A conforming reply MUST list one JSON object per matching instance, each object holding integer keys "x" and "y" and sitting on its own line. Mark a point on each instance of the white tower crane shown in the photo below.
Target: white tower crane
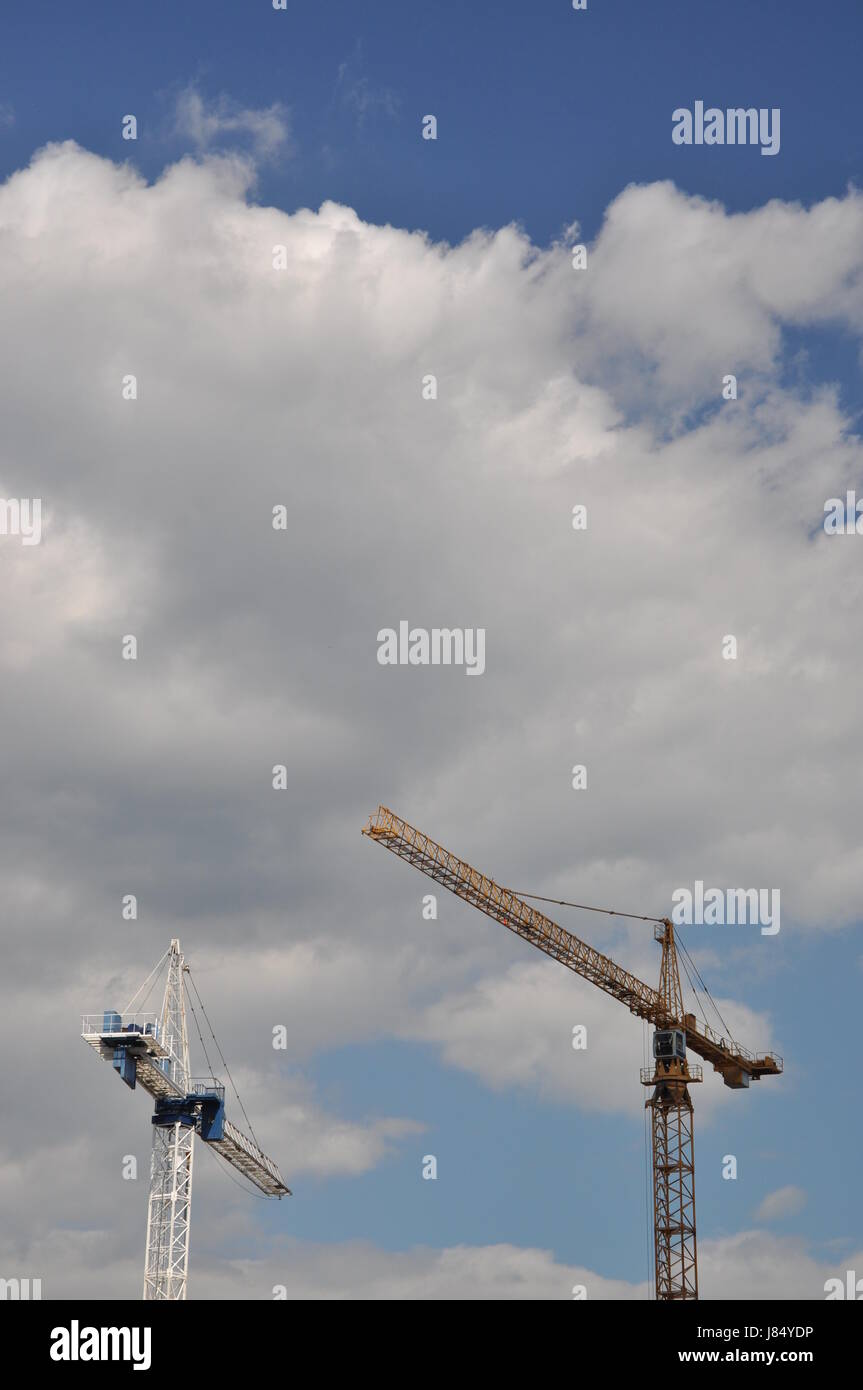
{"x": 153, "y": 1051}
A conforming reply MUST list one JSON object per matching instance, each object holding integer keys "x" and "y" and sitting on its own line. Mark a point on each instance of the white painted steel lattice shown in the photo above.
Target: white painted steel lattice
{"x": 168, "y": 1212}
{"x": 153, "y": 1053}
{"x": 169, "y": 1209}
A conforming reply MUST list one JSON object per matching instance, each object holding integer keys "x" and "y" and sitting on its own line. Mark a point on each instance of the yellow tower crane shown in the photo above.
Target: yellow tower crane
{"x": 676, "y": 1265}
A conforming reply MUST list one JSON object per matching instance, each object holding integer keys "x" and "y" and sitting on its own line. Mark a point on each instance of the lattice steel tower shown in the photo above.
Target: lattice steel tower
{"x": 153, "y": 1051}
{"x": 675, "y": 1261}
{"x": 168, "y": 1211}
{"x": 670, "y": 1076}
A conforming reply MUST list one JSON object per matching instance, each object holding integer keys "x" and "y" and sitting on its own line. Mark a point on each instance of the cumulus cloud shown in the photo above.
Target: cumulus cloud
{"x": 785, "y": 1201}
{"x": 752, "y": 1265}
{"x": 319, "y": 1144}
{"x": 210, "y": 125}
{"x": 302, "y": 387}
{"x": 516, "y": 1030}
{"x": 687, "y": 292}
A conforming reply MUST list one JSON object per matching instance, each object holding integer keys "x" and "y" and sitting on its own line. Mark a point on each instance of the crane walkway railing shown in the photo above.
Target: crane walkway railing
{"x": 158, "y": 1068}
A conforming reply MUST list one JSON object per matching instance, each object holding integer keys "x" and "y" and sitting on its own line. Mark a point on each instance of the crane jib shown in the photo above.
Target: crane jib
{"x": 669, "y": 1079}
{"x": 735, "y": 1063}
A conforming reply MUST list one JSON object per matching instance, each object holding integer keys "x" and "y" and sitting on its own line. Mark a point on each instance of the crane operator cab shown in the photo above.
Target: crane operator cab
{"x": 669, "y": 1044}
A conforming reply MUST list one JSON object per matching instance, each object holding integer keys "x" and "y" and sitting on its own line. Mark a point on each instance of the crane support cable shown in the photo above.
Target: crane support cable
{"x": 636, "y": 917}
{"x": 517, "y": 915}
{"x": 585, "y": 907}
{"x": 210, "y": 1067}
{"x": 706, "y": 990}
{"x": 223, "y": 1162}
{"x": 691, "y": 984}
{"x": 684, "y": 958}
{"x": 156, "y": 968}
{"x": 639, "y": 917}
{"x": 222, "y": 1055}
{"x": 514, "y": 913}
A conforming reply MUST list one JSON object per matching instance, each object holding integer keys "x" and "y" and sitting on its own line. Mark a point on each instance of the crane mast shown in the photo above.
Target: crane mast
{"x": 670, "y": 1106}
{"x": 152, "y": 1051}
{"x": 676, "y": 1269}
{"x": 169, "y": 1207}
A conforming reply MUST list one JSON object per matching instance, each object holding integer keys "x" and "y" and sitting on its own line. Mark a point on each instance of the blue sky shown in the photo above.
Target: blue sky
{"x": 539, "y": 1173}
{"x": 545, "y": 116}
{"x": 541, "y": 152}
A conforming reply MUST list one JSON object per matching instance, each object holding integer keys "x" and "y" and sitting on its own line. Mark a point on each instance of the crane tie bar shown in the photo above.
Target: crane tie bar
{"x": 585, "y": 907}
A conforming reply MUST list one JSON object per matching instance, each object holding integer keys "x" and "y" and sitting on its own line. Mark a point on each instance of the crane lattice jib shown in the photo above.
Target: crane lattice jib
{"x": 410, "y": 844}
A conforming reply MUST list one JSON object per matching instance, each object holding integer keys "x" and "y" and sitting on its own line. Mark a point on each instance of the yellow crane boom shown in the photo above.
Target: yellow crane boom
{"x": 677, "y": 1031}
{"x": 726, "y": 1056}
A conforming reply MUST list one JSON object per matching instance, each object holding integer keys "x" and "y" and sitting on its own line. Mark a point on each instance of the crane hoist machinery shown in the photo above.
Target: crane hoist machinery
{"x": 152, "y": 1051}
{"x": 675, "y": 1034}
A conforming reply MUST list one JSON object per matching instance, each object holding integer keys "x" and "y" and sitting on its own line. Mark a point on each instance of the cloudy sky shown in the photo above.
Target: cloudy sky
{"x": 302, "y": 387}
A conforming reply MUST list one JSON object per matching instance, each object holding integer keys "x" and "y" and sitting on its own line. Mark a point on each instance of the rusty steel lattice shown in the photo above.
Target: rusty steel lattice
{"x": 676, "y": 1267}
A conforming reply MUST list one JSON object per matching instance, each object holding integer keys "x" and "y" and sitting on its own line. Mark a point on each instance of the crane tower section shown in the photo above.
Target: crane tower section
{"x": 670, "y": 1104}
{"x": 152, "y": 1051}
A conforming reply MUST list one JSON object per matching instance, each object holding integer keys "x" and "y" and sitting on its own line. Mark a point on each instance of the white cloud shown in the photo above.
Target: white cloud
{"x": 208, "y": 125}
{"x": 692, "y": 292}
{"x": 303, "y": 386}
{"x": 316, "y": 1143}
{"x": 785, "y": 1201}
{"x": 753, "y": 1266}
{"x": 515, "y": 1030}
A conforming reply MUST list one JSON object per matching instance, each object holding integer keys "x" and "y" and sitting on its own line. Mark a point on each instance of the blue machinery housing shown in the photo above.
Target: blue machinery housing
{"x": 143, "y": 1058}
{"x": 150, "y": 1051}
{"x": 203, "y": 1108}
